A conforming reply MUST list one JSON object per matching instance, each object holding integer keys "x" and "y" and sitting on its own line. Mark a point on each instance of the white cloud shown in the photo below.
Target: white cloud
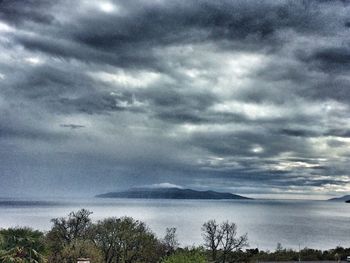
{"x": 5, "y": 27}
{"x": 163, "y": 185}
{"x": 107, "y": 7}
{"x": 33, "y": 60}
{"x": 137, "y": 79}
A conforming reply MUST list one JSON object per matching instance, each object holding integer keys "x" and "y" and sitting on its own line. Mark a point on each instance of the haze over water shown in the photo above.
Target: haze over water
{"x": 314, "y": 224}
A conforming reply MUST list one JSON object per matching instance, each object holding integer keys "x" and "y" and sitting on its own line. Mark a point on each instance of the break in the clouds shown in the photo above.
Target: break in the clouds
{"x": 244, "y": 96}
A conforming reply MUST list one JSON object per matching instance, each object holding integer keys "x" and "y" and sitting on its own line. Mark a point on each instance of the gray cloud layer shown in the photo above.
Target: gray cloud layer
{"x": 247, "y": 96}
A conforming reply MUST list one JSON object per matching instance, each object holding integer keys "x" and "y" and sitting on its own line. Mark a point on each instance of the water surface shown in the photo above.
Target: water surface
{"x": 316, "y": 224}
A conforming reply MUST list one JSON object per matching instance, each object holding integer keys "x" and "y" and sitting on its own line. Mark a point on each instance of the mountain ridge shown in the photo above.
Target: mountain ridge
{"x": 344, "y": 198}
{"x": 170, "y": 193}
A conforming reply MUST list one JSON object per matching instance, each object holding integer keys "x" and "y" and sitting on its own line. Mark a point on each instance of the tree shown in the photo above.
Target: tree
{"x": 212, "y": 237}
{"x": 125, "y": 240}
{"x": 222, "y": 237}
{"x": 21, "y": 245}
{"x": 106, "y": 236}
{"x": 170, "y": 241}
{"x": 73, "y": 227}
{"x": 229, "y": 241}
{"x": 67, "y": 230}
{"x": 81, "y": 249}
{"x": 279, "y": 247}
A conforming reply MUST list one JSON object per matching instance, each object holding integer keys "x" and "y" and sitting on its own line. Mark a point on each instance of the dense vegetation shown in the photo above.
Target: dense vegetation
{"x": 126, "y": 240}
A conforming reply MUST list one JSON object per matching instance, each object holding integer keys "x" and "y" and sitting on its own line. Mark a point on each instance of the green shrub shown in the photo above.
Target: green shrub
{"x": 187, "y": 256}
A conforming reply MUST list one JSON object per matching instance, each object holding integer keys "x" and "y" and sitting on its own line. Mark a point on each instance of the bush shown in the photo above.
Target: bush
{"x": 187, "y": 256}
{"x": 21, "y": 245}
{"x": 81, "y": 249}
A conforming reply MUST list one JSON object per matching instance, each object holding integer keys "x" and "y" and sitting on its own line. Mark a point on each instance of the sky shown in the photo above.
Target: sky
{"x": 248, "y": 97}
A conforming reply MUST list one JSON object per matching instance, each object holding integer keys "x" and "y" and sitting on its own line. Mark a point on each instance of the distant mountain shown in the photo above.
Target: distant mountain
{"x": 344, "y": 198}
{"x": 170, "y": 193}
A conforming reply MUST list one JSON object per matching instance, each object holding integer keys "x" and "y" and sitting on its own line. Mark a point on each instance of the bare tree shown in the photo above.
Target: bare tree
{"x": 229, "y": 241}
{"x": 212, "y": 235}
{"x": 222, "y": 237}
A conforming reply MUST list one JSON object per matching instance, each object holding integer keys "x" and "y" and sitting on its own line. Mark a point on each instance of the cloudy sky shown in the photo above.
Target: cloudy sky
{"x": 250, "y": 97}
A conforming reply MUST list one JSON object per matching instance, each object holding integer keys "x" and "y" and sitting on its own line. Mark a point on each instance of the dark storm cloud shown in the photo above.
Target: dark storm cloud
{"x": 182, "y": 21}
{"x": 335, "y": 56}
{"x": 344, "y": 133}
{"x": 34, "y": 135}
{"x": 329, "y": 59}
{"x": 215, "y": 94}
{"x": 17, "y": 12}
{"x": 248, "y": 143}
{"x": 46, "y": 81}
{"x": 298, "y": 133}
{"x": 68, "y": 49}
{"x": 72, "y": 126}
{"x": 116, "y": 39}
{"x": 96, "y": 102}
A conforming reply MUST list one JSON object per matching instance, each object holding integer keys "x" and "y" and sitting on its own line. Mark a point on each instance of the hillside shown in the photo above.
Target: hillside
{"x": 170, "y": 193}
{"x": 340, "y": 199}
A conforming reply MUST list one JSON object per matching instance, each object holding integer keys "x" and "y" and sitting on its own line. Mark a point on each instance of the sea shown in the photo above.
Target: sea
{"x": 292, "y": 223}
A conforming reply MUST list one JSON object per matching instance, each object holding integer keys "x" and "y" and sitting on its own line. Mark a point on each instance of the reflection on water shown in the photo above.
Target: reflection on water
{"x": 315, "y": 224}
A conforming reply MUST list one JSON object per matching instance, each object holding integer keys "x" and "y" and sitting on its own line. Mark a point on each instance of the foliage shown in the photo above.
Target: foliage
{"x": 106, "y": 236}
{"x": 305, "y": 254}
{"x": 81, "y": 249}
{"x": 125, "y": 240}
{"x": 21, "y": 245}
{"x": 187, "y": 256}
{"x": 75, "y": 226}
{"x": 67, "y": 231}
{"x": 170, "y": 241}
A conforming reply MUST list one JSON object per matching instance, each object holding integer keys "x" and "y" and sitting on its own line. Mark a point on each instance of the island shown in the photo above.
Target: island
{"x": 170, "y": 193}
{"x": 345, "y": 198}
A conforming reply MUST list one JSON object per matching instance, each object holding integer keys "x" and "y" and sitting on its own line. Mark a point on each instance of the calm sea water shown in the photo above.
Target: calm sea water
{"x": 315, "y": 224}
